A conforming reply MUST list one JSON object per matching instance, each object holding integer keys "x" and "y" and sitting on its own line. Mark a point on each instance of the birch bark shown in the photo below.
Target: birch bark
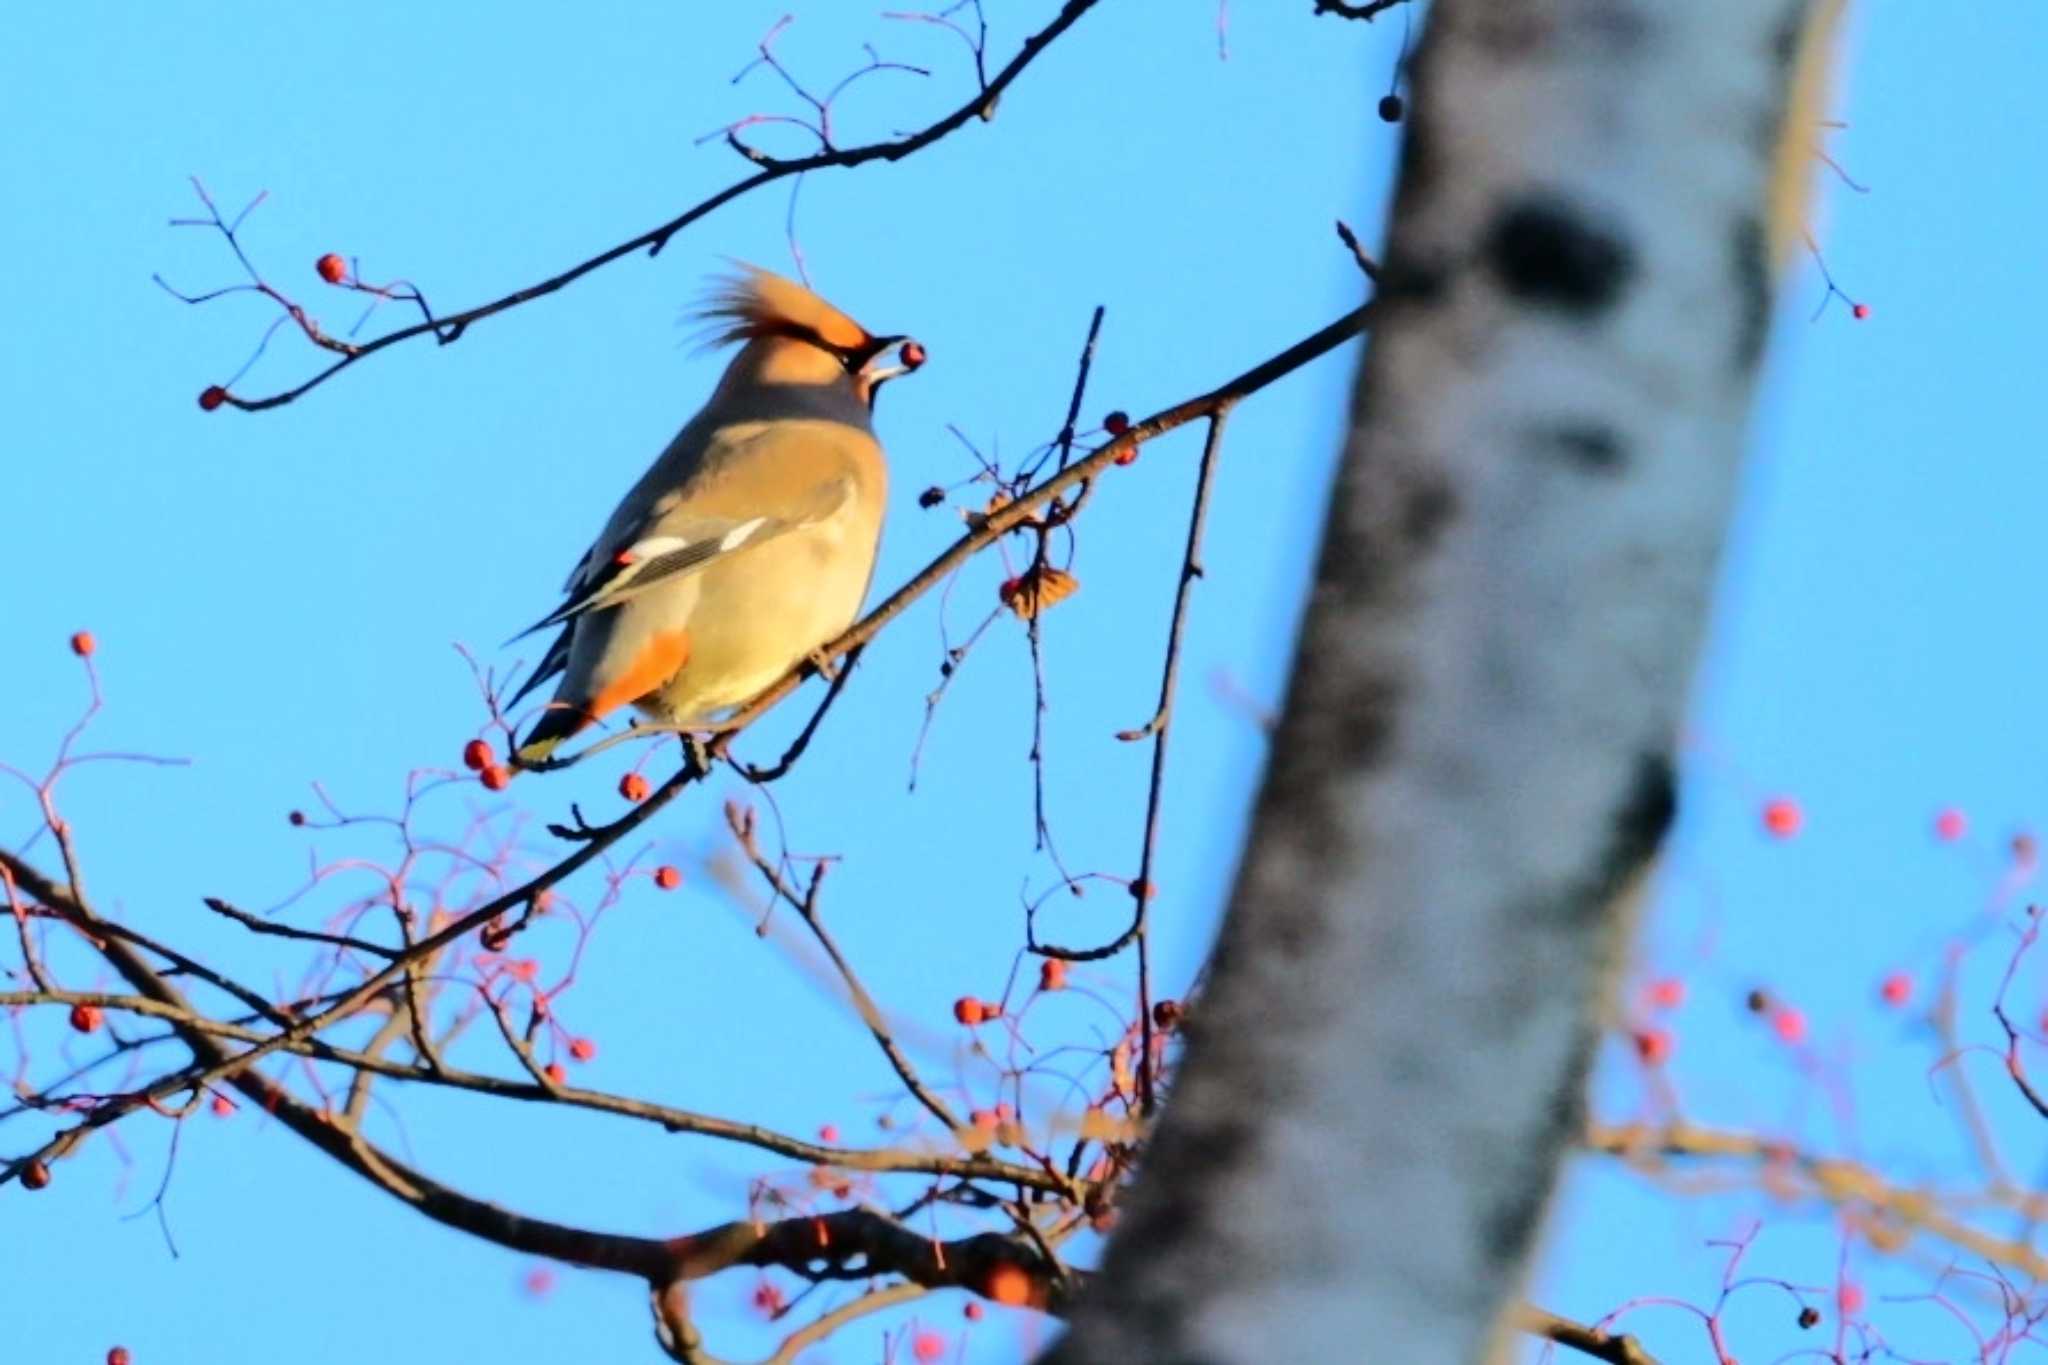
{"x": 1475, "y": 763}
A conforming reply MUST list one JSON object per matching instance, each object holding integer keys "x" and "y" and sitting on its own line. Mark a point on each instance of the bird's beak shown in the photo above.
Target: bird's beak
{"x": 909, "y": 358}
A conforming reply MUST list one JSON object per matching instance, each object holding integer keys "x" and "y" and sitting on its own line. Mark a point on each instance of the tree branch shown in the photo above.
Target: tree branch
{"x": 1589, "y": 1341}
{"x": 1368, "y": 10}
{"x": 845, "y": 1244}
{"x": 451, "y": 327}
{"x": 883, "y": 1160}
{"x": 1848, "y": 1185}
{"x": 740, "y": 821}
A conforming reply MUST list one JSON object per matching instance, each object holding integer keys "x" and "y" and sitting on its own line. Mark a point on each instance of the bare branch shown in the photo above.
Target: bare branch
{"x": 1845, "y": 1184}
{"x": 1589, "y": 1341}
{"x": 741, "y": 822}
{"x": 451, "y": 327}
{"x": 1367, "y": 10}
{"x": 256, "y": 924}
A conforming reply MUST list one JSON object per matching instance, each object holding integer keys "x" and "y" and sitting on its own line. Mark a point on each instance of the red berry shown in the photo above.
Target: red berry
{"x": 1667, "y": 993}
{"x": 633, "y": 787}
{"x": 968, "y": 1010}
{"x": 1860, "y": 311}
{"x": 1653, "y": 1046}
{"x": 211, "y": 397}
{"x": 495, "y": 778}
{"x": 554, "y": 1072}
{"x": 35, "y": 1175}
{"x": 1008, "y": 1285}
{"x": 1849, "y": 1297}
{"x": 1790, "y": 1025}
{"x": 539, "y": 1281}
{"x": 85, "y": 1018}
{"x": 582, "y": 1049}
{"x": 1126, "y": 458}
{"x": 1007, "y": 589}
{"x": 477, "y": 756}
{"x": 1117, "y": 423}
{"x": 1949, "y": 825}
{"x": 1896, "y": 989}
{"x": 331, "y": 268}
{"x": 118, "y": 1355}
{"x": 667, "y": 877}
{"x": 1142, "y": 890}
{"x": 972, "y": 1312}
{"x": 1782, "y": 817}
{"x": 222, "y": 1106}
{"x": 82, "y": 644}
{"x": 984, "y": 1119}
{"x": 829, "y": 1133}
{"x": 912, "y": 355}
{"x": 927, "y": 1346}
{"x": 767, "y": 1298}
{"x": 1052, "y": 974}
{"x": 1166, "y": 1014}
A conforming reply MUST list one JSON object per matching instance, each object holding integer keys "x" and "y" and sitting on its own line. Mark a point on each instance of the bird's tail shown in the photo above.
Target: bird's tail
{"x": 559, "y": 722}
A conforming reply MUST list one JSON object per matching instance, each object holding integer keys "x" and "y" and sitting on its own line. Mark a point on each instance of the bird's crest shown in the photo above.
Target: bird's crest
{"x": 757, "y": 303}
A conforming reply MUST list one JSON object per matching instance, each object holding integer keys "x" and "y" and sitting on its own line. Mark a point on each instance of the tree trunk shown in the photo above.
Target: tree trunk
{"x": 1475, "y": 764}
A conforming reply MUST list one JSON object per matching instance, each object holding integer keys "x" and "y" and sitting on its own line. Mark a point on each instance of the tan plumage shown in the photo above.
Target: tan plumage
{"x": 749, "y": 542}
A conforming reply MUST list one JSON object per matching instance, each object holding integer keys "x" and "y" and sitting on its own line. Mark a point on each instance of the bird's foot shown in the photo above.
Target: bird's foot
{"x": 821, "y": 659}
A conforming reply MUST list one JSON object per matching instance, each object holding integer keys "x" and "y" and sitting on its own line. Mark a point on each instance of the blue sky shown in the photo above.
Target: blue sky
{"x": 276, "y": 596}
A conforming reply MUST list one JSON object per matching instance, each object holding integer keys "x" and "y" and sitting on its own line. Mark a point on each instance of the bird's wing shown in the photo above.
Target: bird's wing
{"x": 635, "y": 568}
{"x": 682, "y": 542}
{"x": 631, "y": 571}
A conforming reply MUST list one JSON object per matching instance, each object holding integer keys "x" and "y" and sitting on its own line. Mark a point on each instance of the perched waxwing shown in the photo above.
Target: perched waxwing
{"x": 749, "y": 543}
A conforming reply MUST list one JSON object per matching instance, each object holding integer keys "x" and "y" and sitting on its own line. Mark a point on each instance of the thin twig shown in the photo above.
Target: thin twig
{"x": 1845, "y": 1184}
{"x": 256, "y": 924}
{"x": 874, "y": 1301}
{"x": 1160, "y": 724}
{"x": 1156, "y": 728}
{"x": 451, "y": 327}
{"x": 1590, "y": 1341}
{"x": 1366, "y": 264}
{"x": 741, "y": 821}
{"x": 1369, "y": 10}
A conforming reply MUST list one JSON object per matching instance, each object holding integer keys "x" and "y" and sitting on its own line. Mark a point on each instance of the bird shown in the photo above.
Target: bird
{"x": 749, "y": 543}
